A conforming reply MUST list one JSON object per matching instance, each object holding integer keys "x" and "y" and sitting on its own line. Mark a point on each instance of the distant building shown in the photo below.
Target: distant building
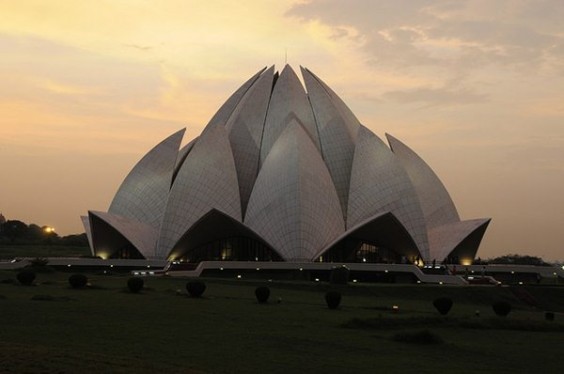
{"x": 2, "y": 219}
{"x": 279, "y": 174}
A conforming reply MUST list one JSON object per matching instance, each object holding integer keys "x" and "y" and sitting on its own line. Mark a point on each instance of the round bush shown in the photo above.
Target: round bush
{"x": 262, "y": 293}
{"x": 196, "y": 288}
{"x": 501, "y": 308}
{"x": 26, "y": 277}
{"x": 333, "y": 299}
{"x": 549, "y": 316}
{"x": 339, "y": 275}
{"x": 78, "y": 280}
{"x": 443, "y": 305}
{"x": 135, "y": 284}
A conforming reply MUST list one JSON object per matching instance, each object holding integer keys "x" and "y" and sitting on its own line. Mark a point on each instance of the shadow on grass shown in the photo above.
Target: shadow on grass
{"x": 423, "y": 337}
{"x": 51, "y": 298}
{"x": 383, "y": 323}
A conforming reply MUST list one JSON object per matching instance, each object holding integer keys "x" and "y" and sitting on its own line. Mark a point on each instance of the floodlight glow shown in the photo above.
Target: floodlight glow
{"x": 49, "y": 230}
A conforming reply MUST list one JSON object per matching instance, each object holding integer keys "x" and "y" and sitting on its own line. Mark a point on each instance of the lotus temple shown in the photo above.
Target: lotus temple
{"x": 284, "y": 173}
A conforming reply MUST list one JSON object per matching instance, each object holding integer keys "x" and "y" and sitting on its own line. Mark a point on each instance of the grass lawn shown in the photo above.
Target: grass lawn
{"x": 104, "y": 328}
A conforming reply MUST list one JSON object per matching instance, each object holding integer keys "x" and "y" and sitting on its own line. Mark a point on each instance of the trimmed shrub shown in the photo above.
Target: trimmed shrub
{"x": 333, "y": 299}
{"x": 135, "y": 284}
{"x": 78, "y": 280}
{"x": 501, "y": 308}
{"x": 195, "y": 288}
{"x": 339, "y": 275}
{"x": 26, "y": 277}
{"x": 262, "y": 293}
{"x": 418, "y": 337}
{"x": 549, "y": 316}
{"x": 443, "y": 305}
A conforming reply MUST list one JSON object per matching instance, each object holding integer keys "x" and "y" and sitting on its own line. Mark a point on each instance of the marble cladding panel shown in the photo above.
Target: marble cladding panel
{"x": 294, "y": 205}
{"x": 207, "y": 180}
{"x": 380, "y": 184}
{"x": 143, "y": 194}
{"x": 435, "y": 200}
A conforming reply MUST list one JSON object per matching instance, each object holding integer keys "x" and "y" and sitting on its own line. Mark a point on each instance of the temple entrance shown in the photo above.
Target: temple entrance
{"x": 127, "y": 251}
{"x": 351, "y": 250}
{"x": 238, "y": 248}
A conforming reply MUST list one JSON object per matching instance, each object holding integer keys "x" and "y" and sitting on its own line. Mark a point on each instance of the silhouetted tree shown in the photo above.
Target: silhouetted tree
{"x": 515, "y": 259}
{"x": 34, "y": 233}
{"x": 77, "y": 240}
{"x": 14, "y": 229}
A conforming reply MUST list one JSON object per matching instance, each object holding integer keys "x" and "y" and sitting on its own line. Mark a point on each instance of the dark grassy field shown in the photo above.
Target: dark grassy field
{"x": 104, "y": 328}
{"x": 8, "y": 251}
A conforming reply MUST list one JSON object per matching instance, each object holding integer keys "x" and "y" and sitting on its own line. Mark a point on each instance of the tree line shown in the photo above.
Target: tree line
{"x": 18, "y": 232}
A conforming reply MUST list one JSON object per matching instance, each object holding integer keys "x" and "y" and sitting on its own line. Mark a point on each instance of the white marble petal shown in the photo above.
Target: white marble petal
{"x": 288, "y": 103}
{"x": 143, "y": 194}
{"x": 294, "y": 205}
{"x": 436, "y": 203}
{"x": 337, "y": 135}
{"x": 207, "y": 180}
{"x": 380, "y": 184}
{"x": 142, "y": 236}
{"x": 245, "y": 128}
{"x": 446, "y": 238}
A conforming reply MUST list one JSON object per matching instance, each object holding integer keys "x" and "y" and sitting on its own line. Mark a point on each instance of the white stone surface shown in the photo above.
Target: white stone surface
{"x": 206, "y": 180}
{"x": 436, "y": 203}
{"x": 226, "y": 110}
{"x": 298, "y": 169}
{"x": 183, "y": 153}
{"x": 288, "y": 103}
{"x": 88, "y": 231}
{"x": 143, "y": 194}
{"x": 336, "y": 133}
{"x": 349, "y": 119}
{"x": 140, "y": 235}
{"x": 445, "y": 238}
{"x": 294, "y": 205}
{"x": 380, "y": 184}
{"x": 245, "y": 128}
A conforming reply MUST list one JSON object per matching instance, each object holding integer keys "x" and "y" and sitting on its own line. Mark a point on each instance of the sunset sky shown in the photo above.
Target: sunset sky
{"x": 476, "y": 88}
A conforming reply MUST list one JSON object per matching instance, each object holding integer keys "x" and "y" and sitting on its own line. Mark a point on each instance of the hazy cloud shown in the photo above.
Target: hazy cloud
{"x": 139, "y": 47}
{"x": 436, "y": 96}
{"x": 445, "y": 33}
